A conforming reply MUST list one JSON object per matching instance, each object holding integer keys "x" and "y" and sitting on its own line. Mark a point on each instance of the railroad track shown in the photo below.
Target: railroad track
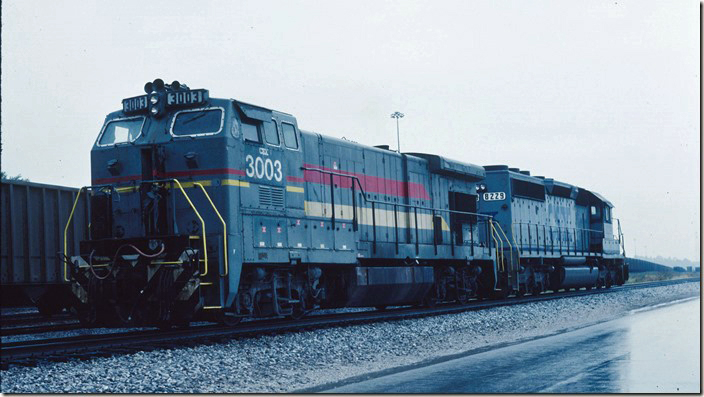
{"x": 25, "y": 319}
{"x": 87, "y": 346}
{"x": 41, "y": 328}
{"x": 35, "y": 323}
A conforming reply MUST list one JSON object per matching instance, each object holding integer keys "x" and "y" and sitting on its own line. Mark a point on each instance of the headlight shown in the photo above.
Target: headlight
{"x": 154, "y": 110}
{"x": 154, "y": 99}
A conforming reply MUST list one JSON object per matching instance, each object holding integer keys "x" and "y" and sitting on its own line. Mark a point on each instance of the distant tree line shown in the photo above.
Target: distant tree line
{"x": 17, "y": 177}
{"x": 669, "y": 261}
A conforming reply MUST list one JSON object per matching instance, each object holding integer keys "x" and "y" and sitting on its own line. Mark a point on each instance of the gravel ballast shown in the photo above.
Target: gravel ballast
{"x": 298, "y": 361}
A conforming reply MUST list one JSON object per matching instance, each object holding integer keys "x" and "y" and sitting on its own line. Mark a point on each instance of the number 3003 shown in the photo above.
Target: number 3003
{"x": 262, "y": 169}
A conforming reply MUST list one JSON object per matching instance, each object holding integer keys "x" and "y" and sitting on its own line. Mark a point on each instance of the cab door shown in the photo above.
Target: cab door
{"x": 295, "y": 185}
{"x": 263, "y": 194}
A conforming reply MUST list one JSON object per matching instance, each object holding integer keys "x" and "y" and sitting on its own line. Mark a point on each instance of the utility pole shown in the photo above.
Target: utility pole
{"x": 635, "y": 250}
{"x": 397, "y": 115}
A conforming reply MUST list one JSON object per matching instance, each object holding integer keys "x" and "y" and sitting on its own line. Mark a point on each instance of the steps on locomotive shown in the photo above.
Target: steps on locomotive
{"x": 210, "y": 276}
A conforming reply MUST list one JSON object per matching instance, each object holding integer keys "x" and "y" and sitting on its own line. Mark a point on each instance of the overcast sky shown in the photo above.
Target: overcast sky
{"x": 600, "y": 94}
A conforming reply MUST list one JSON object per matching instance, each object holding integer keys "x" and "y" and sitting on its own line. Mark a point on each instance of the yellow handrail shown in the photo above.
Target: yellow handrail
{"x": 193, "y": 207}
{"x": 508, "y": 241}
{"x": 224, "y": 227}
{"x": 517, "y": 264}
{"x": 500, "y": 244}
{"x": 70, "y": 217}
{"x": 513, "y": 236}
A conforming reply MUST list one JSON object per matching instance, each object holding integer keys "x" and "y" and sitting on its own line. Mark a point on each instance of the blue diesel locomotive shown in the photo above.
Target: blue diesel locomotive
{"x": 219, "y": 209}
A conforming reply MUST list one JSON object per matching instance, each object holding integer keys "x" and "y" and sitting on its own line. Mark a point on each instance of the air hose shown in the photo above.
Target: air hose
{"x": 112, "y": 265}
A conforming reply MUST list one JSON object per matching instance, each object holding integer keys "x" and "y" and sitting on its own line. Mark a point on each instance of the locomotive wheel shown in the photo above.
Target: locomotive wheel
{"x": 299, "y": 310}
{"x": 87, "y": 316}
{"x": 500, "y": 294}
{"x": 230, "y": 321}
{"x": 429, "y": 301}
{"x": 462, "y": 297}
{"x": 164, "y": 325}
{"x": 380, "y": 308}
{"x": 297, "y": 313}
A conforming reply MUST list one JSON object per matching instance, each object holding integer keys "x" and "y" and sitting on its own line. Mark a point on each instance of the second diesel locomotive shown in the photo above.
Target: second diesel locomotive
{"x": 215, "y": 208}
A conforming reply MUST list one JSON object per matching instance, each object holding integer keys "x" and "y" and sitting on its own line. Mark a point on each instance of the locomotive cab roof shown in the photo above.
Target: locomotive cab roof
{"x": 444, "y": 166}
{"x": 589, "y": 197}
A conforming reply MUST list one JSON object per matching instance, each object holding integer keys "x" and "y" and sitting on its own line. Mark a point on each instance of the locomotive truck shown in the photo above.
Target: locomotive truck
{"x": 219, "y": 209}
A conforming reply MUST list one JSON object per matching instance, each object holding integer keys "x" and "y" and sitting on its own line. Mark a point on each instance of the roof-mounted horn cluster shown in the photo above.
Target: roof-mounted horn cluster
{"x": 161, "y": 96}
{"x": 158, "y": 85}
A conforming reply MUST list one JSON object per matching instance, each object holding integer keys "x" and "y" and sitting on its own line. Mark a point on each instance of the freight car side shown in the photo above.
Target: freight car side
{"x": 34, "y": 216}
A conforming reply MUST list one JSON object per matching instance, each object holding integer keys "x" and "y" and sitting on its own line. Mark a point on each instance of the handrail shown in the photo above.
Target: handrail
{"x": 202, "y": 222}
{"x": 505, "y": 237}
{"x": 621, "y": 240}
{"x": 507, "y": 240}
{"x": 513, "y": 237}
{"x": 518, "y": 278}
{"x": 70, "y": 217}
{"x": 500, "y": 244}
{"x": 563, "y": 227}
{"x": 559, "y": 230}
{"x": 364, "y": 195}
{"x": 224, "y": 226}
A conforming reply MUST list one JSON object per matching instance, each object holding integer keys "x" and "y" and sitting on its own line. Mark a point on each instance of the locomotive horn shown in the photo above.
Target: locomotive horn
{"x": 159, "y": 84}
{"x": 148, "y": 87}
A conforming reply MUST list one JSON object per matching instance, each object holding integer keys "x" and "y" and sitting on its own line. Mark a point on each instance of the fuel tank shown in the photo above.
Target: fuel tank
{"x": 385, "y": 286}
{"x": 574, "y": 277}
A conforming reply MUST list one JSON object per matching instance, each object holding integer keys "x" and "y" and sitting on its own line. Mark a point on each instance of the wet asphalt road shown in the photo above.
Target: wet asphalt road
{"x": 651, "y": 351}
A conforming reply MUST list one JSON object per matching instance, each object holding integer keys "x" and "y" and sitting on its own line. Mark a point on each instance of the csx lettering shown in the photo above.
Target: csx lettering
{"x": 263, "y": 169}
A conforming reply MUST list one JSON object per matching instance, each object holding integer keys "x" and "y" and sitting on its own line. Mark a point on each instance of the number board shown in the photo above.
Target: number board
{"x": 134, "y": 104}
{"x": 263, "y": 168}
{"x": 494, "y": 196}
{"x": 191, "y": 97}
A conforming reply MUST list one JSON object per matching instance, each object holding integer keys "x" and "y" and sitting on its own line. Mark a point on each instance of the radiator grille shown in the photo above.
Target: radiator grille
{"x": 270, "y": 196}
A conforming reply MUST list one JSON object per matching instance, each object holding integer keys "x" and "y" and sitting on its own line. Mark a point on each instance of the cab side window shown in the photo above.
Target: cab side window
{"x": 271, "y": 133}
{"x": 290, "y": 138}
{"x": 250, "y": 132}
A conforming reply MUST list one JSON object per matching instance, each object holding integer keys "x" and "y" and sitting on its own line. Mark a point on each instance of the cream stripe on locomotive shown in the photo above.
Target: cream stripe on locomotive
{"x": 382, "y": 217}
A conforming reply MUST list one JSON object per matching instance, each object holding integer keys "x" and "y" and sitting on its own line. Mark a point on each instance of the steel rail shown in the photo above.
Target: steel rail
{"x": 26, "y": 352}
{"x": 30, "y": 318}
{"x": 40, "y": 329}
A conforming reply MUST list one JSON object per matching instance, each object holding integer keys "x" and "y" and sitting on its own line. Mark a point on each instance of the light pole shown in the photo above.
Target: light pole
{"x": 397, "y": 115}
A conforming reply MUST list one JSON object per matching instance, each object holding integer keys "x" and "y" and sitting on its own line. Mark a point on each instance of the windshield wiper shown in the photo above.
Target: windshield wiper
{"x": 202, "y": 114}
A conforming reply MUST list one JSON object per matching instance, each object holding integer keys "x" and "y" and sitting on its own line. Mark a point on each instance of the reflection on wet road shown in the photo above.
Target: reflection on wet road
{"x": 653, "y": 351}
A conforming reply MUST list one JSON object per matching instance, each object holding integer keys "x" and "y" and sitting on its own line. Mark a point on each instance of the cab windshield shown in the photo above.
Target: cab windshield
{"x": 198, "y": 122}
{"x": 121, "y": 131}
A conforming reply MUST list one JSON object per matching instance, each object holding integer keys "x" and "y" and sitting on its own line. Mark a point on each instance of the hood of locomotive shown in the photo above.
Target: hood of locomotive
{"x": 188, "y": 144}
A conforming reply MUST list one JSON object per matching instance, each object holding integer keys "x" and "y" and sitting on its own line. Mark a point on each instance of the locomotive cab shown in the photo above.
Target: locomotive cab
{"x": 160, "y": 206}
